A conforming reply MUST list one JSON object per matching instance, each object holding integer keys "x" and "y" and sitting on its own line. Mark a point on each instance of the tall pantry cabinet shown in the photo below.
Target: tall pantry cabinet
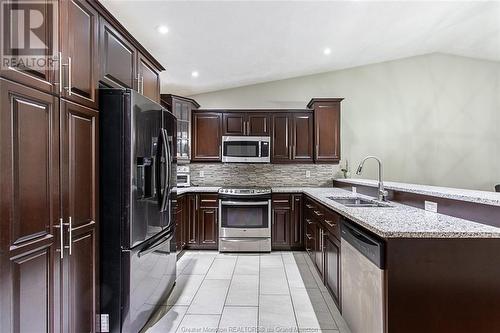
{"x": 49, "y": 139}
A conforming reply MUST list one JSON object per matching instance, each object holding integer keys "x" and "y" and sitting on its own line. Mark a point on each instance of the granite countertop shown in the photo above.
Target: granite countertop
{"x": 397, "y": 221}
{"x": 482, "y": 197}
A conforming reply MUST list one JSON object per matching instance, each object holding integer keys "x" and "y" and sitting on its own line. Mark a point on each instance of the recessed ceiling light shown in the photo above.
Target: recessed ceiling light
{"x": 194, "y": 74}
{"x": 327, "y": 51}
{"x": 163, "y": 29}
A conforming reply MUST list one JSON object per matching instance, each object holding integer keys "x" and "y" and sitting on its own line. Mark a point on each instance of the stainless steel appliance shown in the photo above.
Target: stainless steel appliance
{"x": 362, "y": 270}
{"x": 245, "y": 220}
{"x": 183, "y": 176}
{"x": 137, "y": 181}
{"x": 246, "y": 149}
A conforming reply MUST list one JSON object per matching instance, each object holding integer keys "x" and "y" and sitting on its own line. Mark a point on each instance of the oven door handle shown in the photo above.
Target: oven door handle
{"x": 244, "y": 203}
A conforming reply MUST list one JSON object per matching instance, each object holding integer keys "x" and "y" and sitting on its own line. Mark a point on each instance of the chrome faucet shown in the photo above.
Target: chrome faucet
{"x": 382, "y": 193}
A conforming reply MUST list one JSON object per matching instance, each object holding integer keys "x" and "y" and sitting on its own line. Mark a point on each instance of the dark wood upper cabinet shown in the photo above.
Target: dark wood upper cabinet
{"x": 207, "y": 130}
{"x": 79, "y": 138}
{"x": 292, "y": 139}
{"x": 246, "y": 123}
{"x": 79, "y": 48}
{"x": 326, "y": 129}
{"x": 45, "y": 78}
{"x": 118, "y": 58}
{"x": 258, "y": 124}
{"x": 30, "y": 201}
{"x": 280, "y": 142}
{"x": 149, "y": 78}
{"x": 302, "y": 137}
{"x": 234, "y": 123}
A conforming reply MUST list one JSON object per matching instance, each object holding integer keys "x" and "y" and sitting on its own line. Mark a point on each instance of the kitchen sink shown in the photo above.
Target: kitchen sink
{"x": 359, "y": 202}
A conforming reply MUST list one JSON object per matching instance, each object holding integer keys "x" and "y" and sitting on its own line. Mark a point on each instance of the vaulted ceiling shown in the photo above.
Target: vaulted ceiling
{"x": 235, "y": 43}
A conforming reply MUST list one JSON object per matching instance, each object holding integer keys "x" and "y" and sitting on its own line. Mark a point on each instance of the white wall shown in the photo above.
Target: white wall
{"x": 433, "y": 119}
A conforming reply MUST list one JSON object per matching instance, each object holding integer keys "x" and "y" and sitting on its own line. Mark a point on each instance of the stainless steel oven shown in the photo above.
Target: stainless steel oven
{"x": 245, "y": 220}
{"x": 246, "y": 149}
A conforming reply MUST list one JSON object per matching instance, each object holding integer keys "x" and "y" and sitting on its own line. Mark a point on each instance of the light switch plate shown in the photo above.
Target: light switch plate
{"x": 202, "y": 173}
{"x": 104, "y": 323}
{"x": 431, "y": 206}
{"x": 354, "y": 190}
{"x": 308, "y": 173}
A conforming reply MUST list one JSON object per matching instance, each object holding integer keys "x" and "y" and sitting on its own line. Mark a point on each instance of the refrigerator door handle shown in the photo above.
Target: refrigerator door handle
{"x": 155, "y": 245}
{"x": 167, "y": 163}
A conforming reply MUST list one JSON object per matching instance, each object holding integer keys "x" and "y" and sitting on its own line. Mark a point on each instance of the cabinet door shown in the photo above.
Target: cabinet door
{"x": 234, "y": 123}
{"x": 208, "y": 227}
{"x": 79, "y": 47}
{"x": 327, "y": 126}
{"x": 79, "y": 140}
{"x": 192, "y": 227}
{"x": 46, "y": 76}
{"x": 149, "y": 78}
{"x": 179, "y": 218}
{"x": 29, "y": 164}
{"x": 297, "y": 227}
{"x": 281, "y": 144}
{"x": 280, "y": 232}
{"x": 207, "y": 136}
{"x": 258, "y": 124}
{"x": 318, "y": 252}
{"x": 302, "y": 137}
{"x": 332, "y": 266}
{"x": 118, "y": 58}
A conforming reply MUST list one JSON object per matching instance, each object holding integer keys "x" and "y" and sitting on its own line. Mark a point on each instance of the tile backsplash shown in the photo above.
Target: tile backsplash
{"x": 243, "y": 174}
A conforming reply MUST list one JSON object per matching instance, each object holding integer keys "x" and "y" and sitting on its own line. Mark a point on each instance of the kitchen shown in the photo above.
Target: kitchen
{"x": 185, "y": 180}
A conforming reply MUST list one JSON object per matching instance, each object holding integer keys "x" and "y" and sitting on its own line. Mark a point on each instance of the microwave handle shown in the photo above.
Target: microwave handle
{"x": 260, "y": 148}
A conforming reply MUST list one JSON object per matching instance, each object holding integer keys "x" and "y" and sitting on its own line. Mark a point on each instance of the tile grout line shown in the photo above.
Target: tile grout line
{"x": 290, "y": 292}
{"x": 196, "y": 293}
{"x": 227, "y": 291}
{"x": 321, "y": 293}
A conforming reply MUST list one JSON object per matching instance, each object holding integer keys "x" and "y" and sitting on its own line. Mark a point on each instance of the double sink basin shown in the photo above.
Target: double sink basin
{"x": 359, "y": 202}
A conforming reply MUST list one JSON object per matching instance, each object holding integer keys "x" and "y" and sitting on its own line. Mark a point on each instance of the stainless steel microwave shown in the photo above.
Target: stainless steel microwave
{"x": 246, "y": 149}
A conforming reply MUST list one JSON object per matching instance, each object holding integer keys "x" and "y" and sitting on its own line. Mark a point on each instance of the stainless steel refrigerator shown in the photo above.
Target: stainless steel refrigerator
{"x": 137, "y": 187}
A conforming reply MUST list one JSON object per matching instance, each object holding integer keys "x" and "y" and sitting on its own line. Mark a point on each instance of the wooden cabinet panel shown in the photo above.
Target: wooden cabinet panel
{"x": 327, "y": 129}
{"x": 29, "y": 150}
{"x": 234, "y": 123}
{"x": 280, "y": 232}
{"x": 180, "y": 226}
{"x": 208, "y": 227}
{"x": 45, "y": 78}
{"x": 332, "y": 266}
{"x": 81, "y": 285}
{"x": 79, "y": 177}
{"x": 318, "y": 252}
{"x": 149, "y": 78}
{"x": 207, "y": 136}
{"x": 192, "y": 228}
{"x": 297, "y": 227}
{"x": 258, "y": 124}
{"x": 302, "y": 137}
{"x": 280, "y": 145}
{"x": 79, "y": 42}
{"x": 118, "y": 58}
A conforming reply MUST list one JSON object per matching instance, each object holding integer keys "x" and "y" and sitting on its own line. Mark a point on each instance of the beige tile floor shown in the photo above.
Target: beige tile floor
{"x": 274, "y": 292}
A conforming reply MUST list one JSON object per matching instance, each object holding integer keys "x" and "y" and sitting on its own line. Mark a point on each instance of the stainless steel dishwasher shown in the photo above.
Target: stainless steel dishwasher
{"x": 362, "y": 281}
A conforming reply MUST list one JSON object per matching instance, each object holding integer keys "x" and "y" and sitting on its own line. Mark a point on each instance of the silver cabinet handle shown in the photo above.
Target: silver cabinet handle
{"x": 309, "y": 237}
{"x": 318, "y": 213}
{"x": 68, "y": 87}
{"x": 330, "y": 223}
{"x": 244, "y": 203}
{"x": 317, "y": 150}
{"x": 60, "y": 77}
{"x": 61, "y": 238}
{"x": 70, "y": 233}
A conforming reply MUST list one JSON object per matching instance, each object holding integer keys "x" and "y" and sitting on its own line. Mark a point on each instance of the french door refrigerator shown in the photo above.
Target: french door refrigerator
{"x": 137, "y": 187}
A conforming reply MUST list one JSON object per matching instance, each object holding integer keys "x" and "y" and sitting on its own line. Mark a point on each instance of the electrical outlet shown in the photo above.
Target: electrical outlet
{"x": 354, "y": 190}
{"x": 202, "y": 173}
{"x": 431, "y": 206}
{"x": 308, "y": 173}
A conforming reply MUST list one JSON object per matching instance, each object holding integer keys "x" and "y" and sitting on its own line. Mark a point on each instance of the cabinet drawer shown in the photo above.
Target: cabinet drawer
{"x": 281, "y": 200}
{"x": 209, "y": 200}
{"x": 331, "y": 221}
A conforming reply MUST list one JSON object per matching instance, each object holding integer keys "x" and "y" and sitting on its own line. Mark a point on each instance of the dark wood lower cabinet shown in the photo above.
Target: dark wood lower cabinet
{"x": 287, "y": 231}
{"x": 332, "y": 266}
{"x": 280, "y": 231}
{"x": 202, "y": 221}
